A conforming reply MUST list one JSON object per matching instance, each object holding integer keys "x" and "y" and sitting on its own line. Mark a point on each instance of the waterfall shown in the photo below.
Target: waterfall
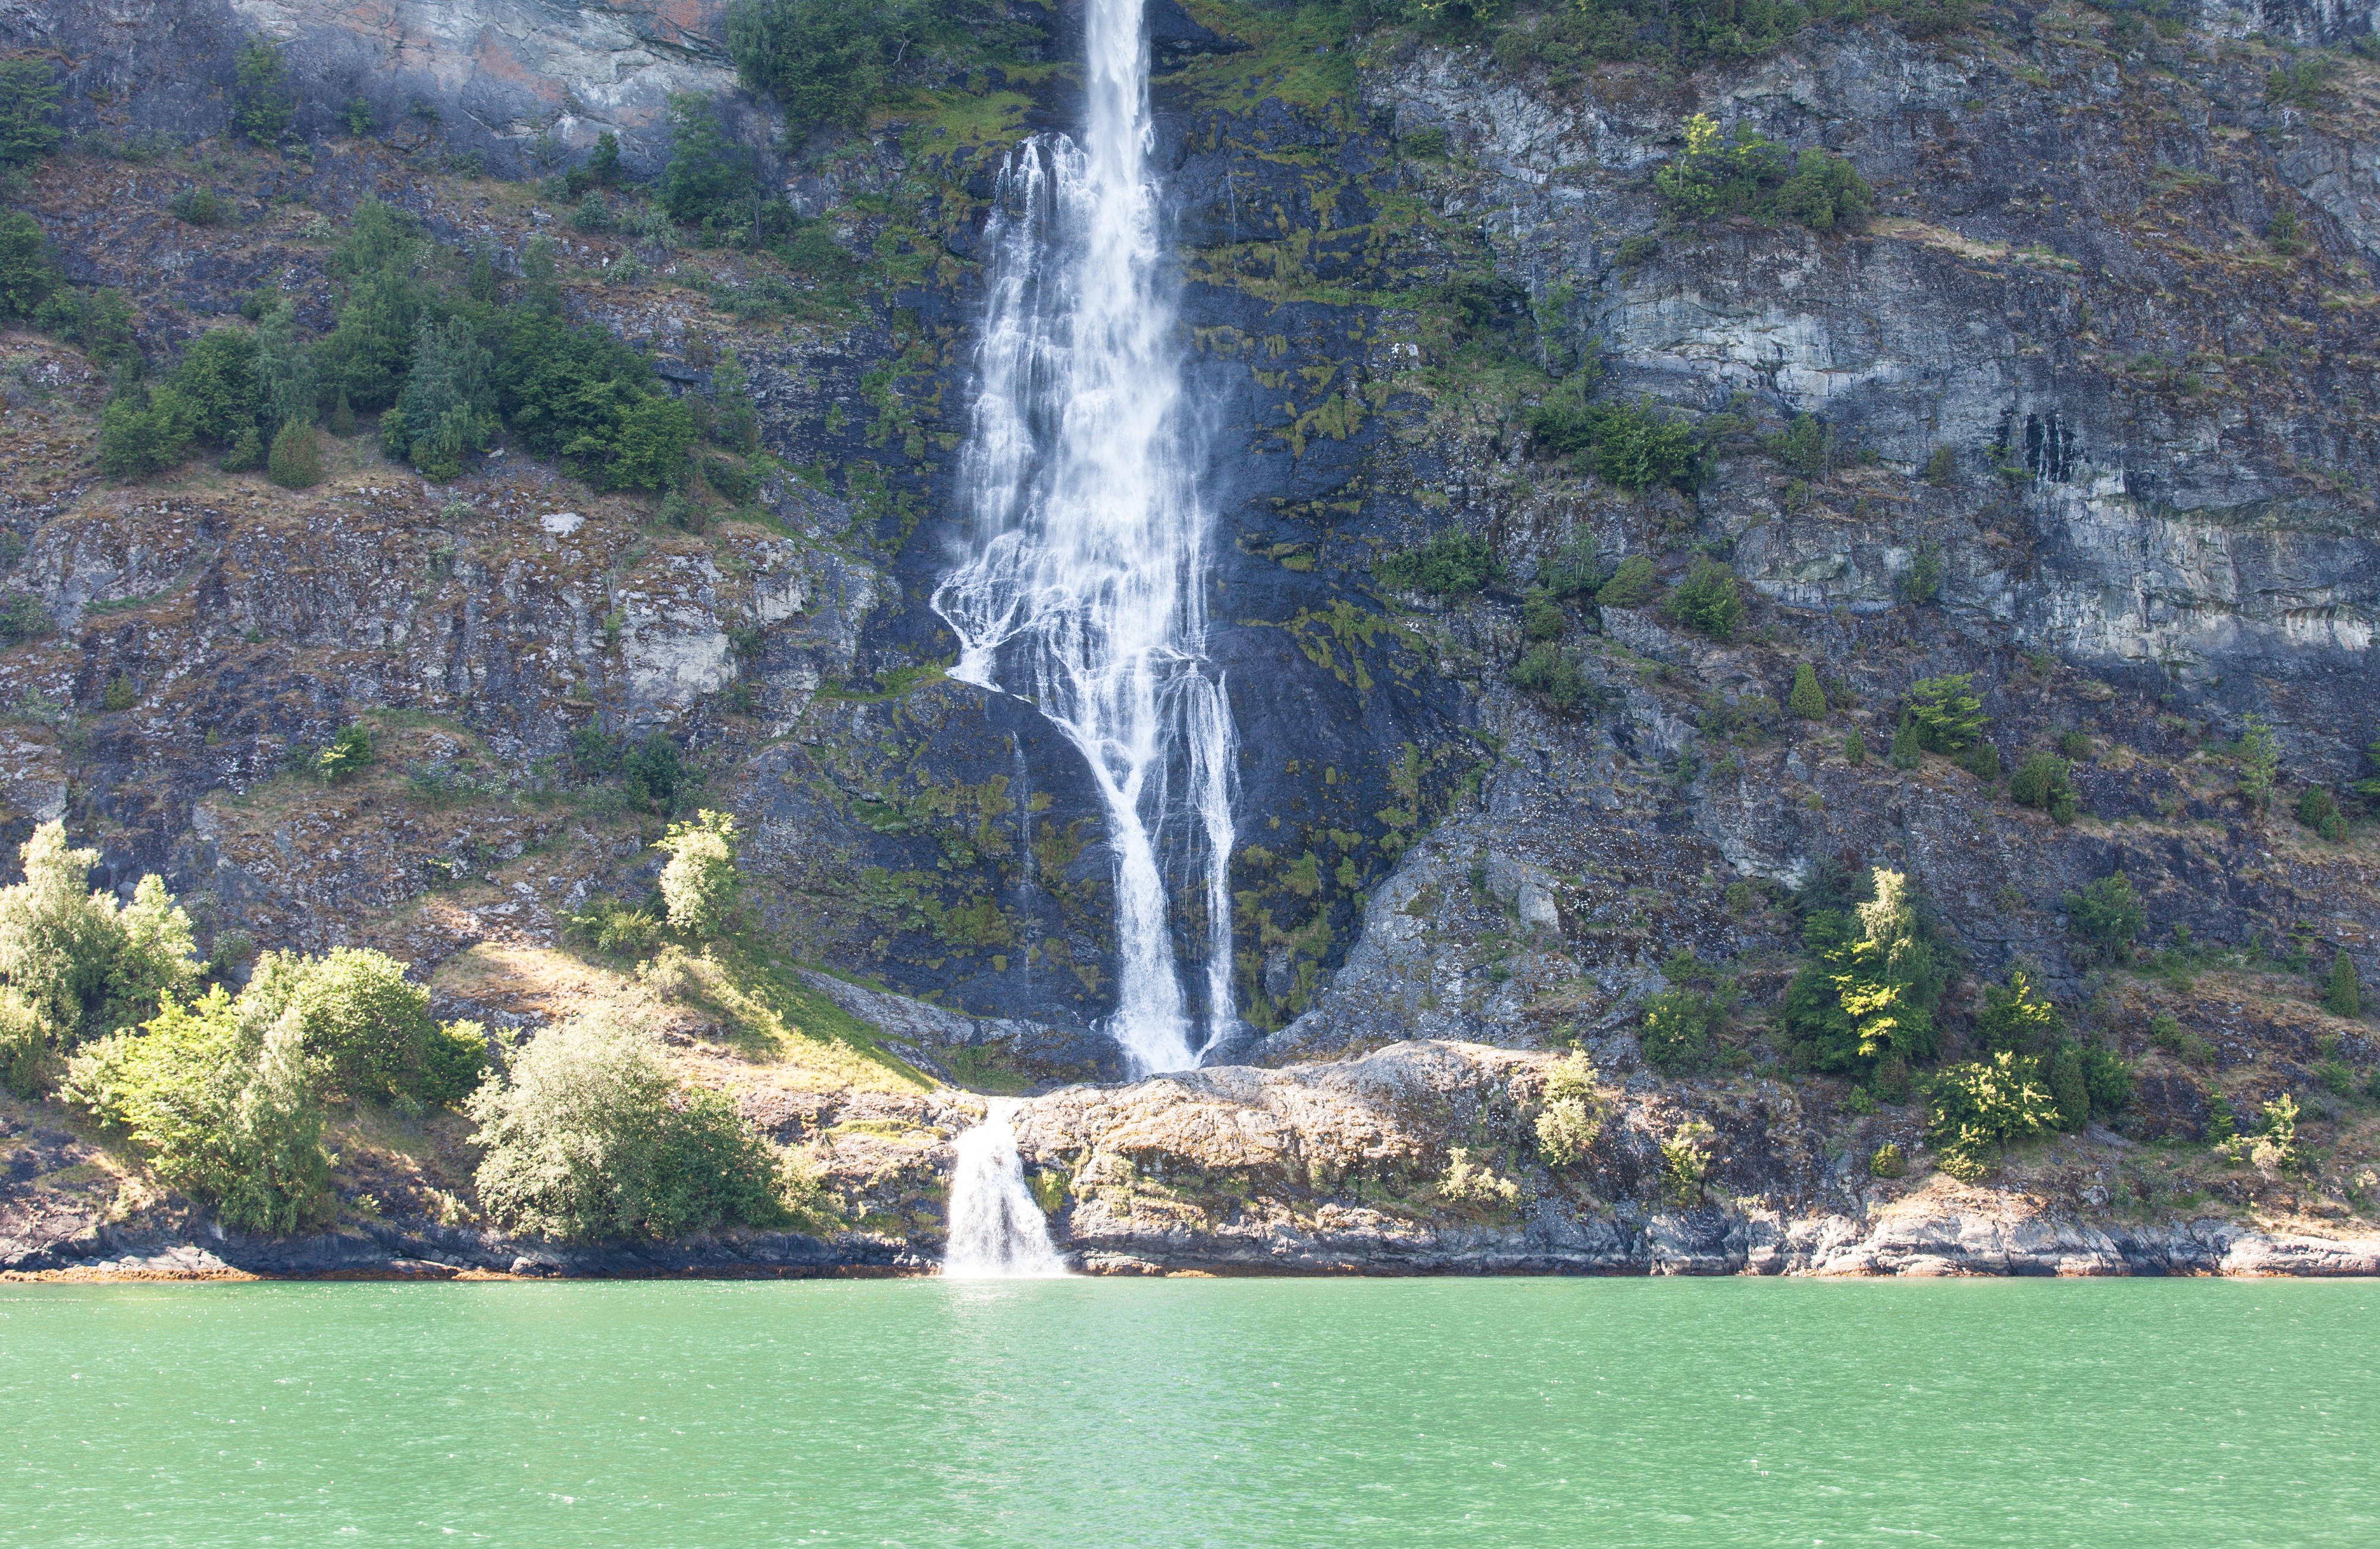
{"x": 997, "y": 1230}
{"x": 1080, "y": 583}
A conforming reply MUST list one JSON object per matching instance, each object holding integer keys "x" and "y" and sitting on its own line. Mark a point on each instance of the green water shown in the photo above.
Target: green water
{"x": 1240, "y": 1413}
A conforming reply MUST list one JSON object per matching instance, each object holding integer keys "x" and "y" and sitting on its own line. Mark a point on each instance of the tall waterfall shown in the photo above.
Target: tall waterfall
{"x": 997, "y": 1230}
{"x": 1082, "y": 584}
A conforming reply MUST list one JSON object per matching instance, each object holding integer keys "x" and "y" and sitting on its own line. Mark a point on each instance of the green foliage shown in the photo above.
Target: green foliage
{"x": 297, "y": 459}
{"x": 1947, "y": 715}
{"x": 735, "y": 423}
{"x": 1983, "y": 761}
{"x": 1922, "y": 582}
{"x": 609, "y": 926}
{"x": 366, "y": 1028}
{"x": 98, "y": 323}
{"x": 830, "y": 61}
{"x": 2282, "y": 232}
{"x": 448, "y": 408}
{"x": 24, "y": 617}
{"x": 2107, "y": 917}
{"x": 218, "y": 1099}
{"x": 78, "y": 963}
{"x": 29, "y": 95}
{"x": 1908, "y": 747}
{"x": 1888, "y": 1162}
{"x": 1567, "y": 35}
{"x": 26, "y": 276}
{"x": 1631, "y": 585}
{"x": 1632, "y": 446}
{"x": 217, "y": 380}
{"x": 603, "y": 162}
{"x": 1680, "y": 1036}
{"x": 590, "y": 1137}
{"x": 2109, "y": 1079}
{"x": 1576, "y": 571}
{"x": 144, "y": 431}
{"x": 1552, "y": 674}
{"x": 202, "y": 207}
{"x": 2016, "y": 1018}
{"x": 1867, "y": 995}
{"x": 1807, "y": 446}
{"x": 654, "y": 439}
{"x": 1541, "y": 615}
{"x": 1746, "y": 173}
{"x": 2068, "y": 1089}
{"x": 1453, "y": 564}
{"x": 349, "y": 750}
{"x": 261, "y": 101}
{"x": 2260, "y": 763}
{"x": 1571, "y": 1120}
{"x": 1855, "y": 747}
{"x": 356, "y": 116}
{"x": 1980, "y": 1107}
{"x": 1707, "y": 601}
{"x": 2318, "y": 810}
{"x": 2044, "y": 781}
{"x": 2343, "y": 995}
{"x": 2301, "y": 84}
{"x": 1808, "y": 701}
{"x": 1941, "y": 465}
{"x": 700, "y": 882}
{"x": 711, "y": 184}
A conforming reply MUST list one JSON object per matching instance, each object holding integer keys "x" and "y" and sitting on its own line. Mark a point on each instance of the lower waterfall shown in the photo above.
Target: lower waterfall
{"x": 997, "y": 1229}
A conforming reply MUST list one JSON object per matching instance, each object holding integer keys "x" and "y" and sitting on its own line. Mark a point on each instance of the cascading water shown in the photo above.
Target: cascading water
{"x": 997, "y": 1229}
{"x": 1081, "y": 586}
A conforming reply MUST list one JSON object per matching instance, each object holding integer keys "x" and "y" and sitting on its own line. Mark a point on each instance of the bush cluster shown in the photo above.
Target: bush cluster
{"x": 1453, "y": 564}
{"x": 829, "y": 62}
{"x": 1746, "y": 173}
{"x": 1632, "y": 446}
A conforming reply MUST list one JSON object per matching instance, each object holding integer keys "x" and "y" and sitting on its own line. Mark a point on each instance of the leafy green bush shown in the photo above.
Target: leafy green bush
{"x": 143, "y": 430}
{"x": 1868, "y": 992}
{"x": 700, "y": 882}
{"x": 1631, "y": 585}
{"x": 202, "y": 207}
{"x": 2107, "y": 917}
{"x": 1941, "y": 465}
{"x": 711, "y": 184}
{"x": 1808, "y": 701}
{"x": 98, "y": 323}
{"x": 366, "y": 1029}
{"x": 26, "y": 275}
{"x": 2108, "y": 1078}
{"x": 609, "y": 926}
{"x": 1947, "y": 714}
{"x": 1980, "y": 1107}
{"x": 1453, "y": 564}
{"x": 1541, "y": 615}
{"x": 1572, "y": 1118}
{"x": 29, "y": 95}
{"x": 24, "y": 617}
{"x": 1888, "y": 1162}
{"x": 2043, "y": 781}
{"x": 1746, "y": 173}
{"x": 84, "y": 964}
{"x": 217, "y": 380}
{"x": 1707, "y": 602}
{"x": 590, "y": 1137}
{"x": 2318, "y": 810}
{"x": 218, "y": 1101}
{"x": 1632, "y": 446}
{"x": 2260, "y": 762}
{"x": 828, "y": 62}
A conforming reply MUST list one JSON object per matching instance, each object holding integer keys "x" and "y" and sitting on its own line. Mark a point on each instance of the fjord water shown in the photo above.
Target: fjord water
{"x": 1252, "y": 1414}
{"x": 1080, "y": 585}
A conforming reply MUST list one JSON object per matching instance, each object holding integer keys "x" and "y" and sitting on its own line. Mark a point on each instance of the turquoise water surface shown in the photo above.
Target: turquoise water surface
{"x": 1244, "y": 1415}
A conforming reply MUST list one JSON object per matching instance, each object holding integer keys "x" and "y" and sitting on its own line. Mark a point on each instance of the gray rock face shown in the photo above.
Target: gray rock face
{"x": 528, "y": 84}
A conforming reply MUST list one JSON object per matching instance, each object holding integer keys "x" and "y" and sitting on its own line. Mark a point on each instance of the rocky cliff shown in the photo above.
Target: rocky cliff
{"x": 2074, "y": 421}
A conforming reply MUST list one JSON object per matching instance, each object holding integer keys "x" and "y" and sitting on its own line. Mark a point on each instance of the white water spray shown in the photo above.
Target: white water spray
{"x": 997, "y": 1229}
{"x": 1081, "y": 584}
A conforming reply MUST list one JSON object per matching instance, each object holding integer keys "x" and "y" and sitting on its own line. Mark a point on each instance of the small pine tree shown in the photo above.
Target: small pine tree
{"x": 2345, "y": 995}
{"x": 1906, "y": 747}
{"x": 342, "y": 418}
{"x": 1807, "y": 700}
{"x": 2260, "y": 763}
{"x": 1855, "y": 747}
{"x": 247, "y": 451}
{"x": 296, "y": 460}
{"x": 2070, "y": 1088}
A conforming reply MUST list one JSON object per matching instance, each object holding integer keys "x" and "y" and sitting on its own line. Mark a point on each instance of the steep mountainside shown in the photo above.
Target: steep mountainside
{"x": 2069, "y": 396}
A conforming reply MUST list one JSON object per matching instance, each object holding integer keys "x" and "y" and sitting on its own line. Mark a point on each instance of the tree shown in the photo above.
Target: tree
{"x": 1978, "y": 1107}
{"x": 1452, "y": 564}
{"x": 367, "y": 1028}
{"x": 1907, "y": 750}
{"x": 1631, "y": 585}
{"x": 603, "y": 165}
{"x": 2016, "y": 1018}
{"x": 1706, "y": 601}
{"x": 700, "y": 881}
{"x": 218, "y": 1101}
{"x": 591, "y": 1136}
{"x": 2344, "y": 995}
{"x": 26, "y": 277}
{"x": 1947, "y": 714}
{"x": 650, "y": 453}
{"x": 735, "y": 423}
{"x": 824, "y": 61}
{"x": 29, "y": 95}
{"x": 2067, "y": 1088}
{"x": 261, "y": 106}
{"x": 217, "y": 378}
{"x": 1572, "y": 1118}
{"x": 1807, "y": 700}
{"x": 2044, "y": 780}
{"x": 448, "y": 407}
{"x": 1866, "y": 999}
{"x": 2260, "y": 763}
{"x": 85, "y": 964}
{"x": 297, "y": 459}
{"x": 2108, "y": 916}
{"x": 287, "y": 389}
{"x": 711, "y": 181}
{"x": 144, "y": 431}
